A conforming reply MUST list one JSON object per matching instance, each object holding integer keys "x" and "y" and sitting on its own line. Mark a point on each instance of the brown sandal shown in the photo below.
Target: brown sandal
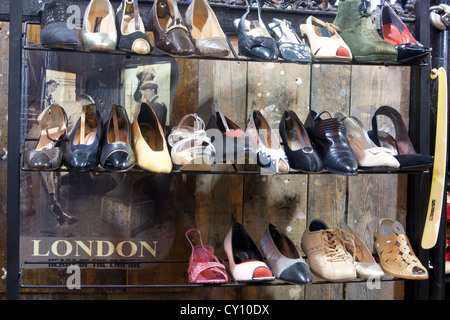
{"x": 394, "y": 250}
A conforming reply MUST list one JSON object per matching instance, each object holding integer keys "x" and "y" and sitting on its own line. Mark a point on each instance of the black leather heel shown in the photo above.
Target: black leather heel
{"x": 117, "y": 154}
{"x": 254, "y": 41}
{"x": 83, "y": 150}
{"x": 131, "y": 35}
{"x": 301, "y": 154}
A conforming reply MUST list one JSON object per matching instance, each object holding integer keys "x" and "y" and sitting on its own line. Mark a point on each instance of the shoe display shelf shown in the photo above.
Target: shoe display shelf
{"x": 418, "y": 180}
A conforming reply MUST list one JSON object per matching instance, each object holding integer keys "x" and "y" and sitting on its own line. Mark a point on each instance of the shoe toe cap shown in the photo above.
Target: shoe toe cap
{"x": 342, "y": 162}
{"x": 119, "y": 160}
{"x": 297, "y": 273}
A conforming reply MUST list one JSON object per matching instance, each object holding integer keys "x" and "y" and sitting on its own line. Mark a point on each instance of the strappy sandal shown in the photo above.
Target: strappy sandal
{"x": 394, "y": 250}
{"x": 291, "y": 47}
{"x": 192, "y": 150}
{"x": 325, "y": 42}
{"x": 204, "y": 267}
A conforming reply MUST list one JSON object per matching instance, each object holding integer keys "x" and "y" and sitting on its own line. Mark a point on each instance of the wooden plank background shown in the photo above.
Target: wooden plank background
{"x": 211, "y": 202}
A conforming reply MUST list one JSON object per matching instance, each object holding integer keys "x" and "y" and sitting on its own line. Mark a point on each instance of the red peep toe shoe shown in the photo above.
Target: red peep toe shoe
{"x": 204, "y": 267}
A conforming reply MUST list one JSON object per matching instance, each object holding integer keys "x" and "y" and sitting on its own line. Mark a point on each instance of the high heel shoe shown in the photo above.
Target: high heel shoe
{"x": 171, "y": 34}
{"x": 244, "y": 258}
{"x": 325, "y": 41}
{"x": 254, "y": 41}
{"x": 209, "y": 38}
{"x": 131, "y": 35}
{"x": 99, "y": 26}
{"x": 230, "y": 141}
{"x": 401, "y": 145}
{"x": 395, "y": 32}
{"x": 192, "y": 150}
{"x": 291, "y": 47}
{"x": 329, "y": 137}
{"x": 365, "y": 264}
{"x": 149, "y": 142}
{"x": 84, "y": 144}
{"x": 204, "y": 267}
{"x": 270, "y": 156}
{"x": 283, "y": 257}
{"x": 395, "y": 252}
{"x": 47, "y": 155}
{"x": 368, "y": 155}
{"x": 302, "y": 156}
{"x": 117, "y": 154}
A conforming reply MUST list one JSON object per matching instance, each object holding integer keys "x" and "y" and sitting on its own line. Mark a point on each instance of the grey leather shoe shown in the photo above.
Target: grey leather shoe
{"x": 283, "y": 257}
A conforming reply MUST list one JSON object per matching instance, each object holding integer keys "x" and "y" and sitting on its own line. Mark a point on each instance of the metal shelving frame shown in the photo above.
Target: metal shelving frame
{"x": 418, "y": 184}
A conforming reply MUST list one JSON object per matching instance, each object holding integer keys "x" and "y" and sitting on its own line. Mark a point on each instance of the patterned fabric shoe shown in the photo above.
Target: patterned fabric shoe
{"x": 56, "y": 31}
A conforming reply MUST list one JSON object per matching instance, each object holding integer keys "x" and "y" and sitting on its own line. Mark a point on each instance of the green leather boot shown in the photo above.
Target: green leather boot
{"x": 359, "y": 32}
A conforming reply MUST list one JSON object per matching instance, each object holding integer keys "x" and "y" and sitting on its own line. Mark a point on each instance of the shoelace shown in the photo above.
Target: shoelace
{"x": 336, "y": 239}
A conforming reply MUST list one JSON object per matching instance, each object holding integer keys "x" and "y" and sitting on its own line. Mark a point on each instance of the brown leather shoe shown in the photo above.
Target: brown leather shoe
{"x": 170, "y": 32}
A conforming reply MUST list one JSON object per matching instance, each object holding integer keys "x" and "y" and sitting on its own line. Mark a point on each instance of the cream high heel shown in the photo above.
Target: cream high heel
{"x": 149, "y": 143}
{"x": 324, "y": 40}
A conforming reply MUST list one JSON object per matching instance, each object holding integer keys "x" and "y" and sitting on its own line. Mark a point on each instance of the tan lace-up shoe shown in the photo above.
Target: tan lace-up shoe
{"x": 325, "y": 250}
